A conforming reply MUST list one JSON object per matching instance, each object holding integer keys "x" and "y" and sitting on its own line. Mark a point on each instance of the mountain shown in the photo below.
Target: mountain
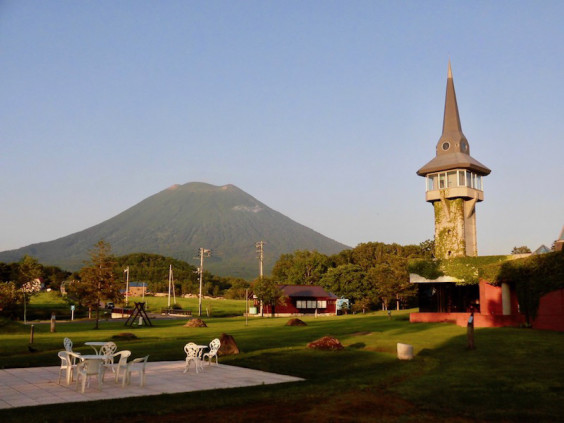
{"x": 179, "y": 220}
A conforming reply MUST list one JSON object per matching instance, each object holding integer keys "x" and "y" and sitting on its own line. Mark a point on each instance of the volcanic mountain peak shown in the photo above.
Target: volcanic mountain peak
{"x": 177, "y": 221}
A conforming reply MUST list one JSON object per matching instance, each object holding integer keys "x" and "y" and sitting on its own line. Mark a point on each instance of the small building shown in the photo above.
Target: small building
{"x": 444, "y": 300}
{"x": 137, "y": 289}
{"x": 304, "y": 299}
{"x": 543, "y": 249}
{"x": 559, "y": 243}
{"x": 511, "y": 291}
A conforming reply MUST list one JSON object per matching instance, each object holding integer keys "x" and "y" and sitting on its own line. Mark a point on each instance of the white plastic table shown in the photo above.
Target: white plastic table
{"x": 95, "y": 344}
{"x": 84, "y": 357}
{"x": 201, "y": 349}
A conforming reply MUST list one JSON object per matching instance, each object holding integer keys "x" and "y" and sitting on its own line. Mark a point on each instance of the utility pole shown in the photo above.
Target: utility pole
{"x": 202, "y": 252}
{"x": 247, "y": 307}
{"x": 169, "y": 284}
{"x": 260, "y": 255}
{"x": 126, "y": 271}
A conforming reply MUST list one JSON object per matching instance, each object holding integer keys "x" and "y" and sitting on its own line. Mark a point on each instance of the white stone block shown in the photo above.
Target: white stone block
{"x": 405, "y": 351}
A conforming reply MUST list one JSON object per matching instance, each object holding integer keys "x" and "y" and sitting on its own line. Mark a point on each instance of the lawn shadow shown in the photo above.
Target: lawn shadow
{"x": 512, "y": 375}
{"x": 357, "y": 345}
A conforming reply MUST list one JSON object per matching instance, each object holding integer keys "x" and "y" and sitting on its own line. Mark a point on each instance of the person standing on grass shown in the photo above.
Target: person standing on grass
{"x": 470, "y": 330}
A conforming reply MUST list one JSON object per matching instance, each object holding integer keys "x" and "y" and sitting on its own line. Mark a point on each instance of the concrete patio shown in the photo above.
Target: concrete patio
{"x": 38, "y": 385}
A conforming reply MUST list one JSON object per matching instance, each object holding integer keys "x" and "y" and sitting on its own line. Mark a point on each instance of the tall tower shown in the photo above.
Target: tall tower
{"x": 454, "y": 185}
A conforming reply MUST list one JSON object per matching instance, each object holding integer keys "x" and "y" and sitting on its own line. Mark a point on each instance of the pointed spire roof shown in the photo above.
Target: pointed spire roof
{"x": 453, "y": 150}
{"x": 452, "y": 129}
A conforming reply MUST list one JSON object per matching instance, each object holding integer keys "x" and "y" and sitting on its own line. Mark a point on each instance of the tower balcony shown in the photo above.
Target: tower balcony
{"x": 455, "y": 192}
{"x": 456, "y": 183}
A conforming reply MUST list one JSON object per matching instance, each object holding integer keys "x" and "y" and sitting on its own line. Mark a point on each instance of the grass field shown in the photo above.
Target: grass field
{"x": 211, "y": 307}
{"x": 44, "y": 303}
{"x": 514, "y": 375}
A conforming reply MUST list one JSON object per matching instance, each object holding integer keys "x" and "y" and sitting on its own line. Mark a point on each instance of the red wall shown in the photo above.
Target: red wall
{"x": 490, "y": 299}
{"x": 550, "y": 315}
{"x": 461, "y": 319}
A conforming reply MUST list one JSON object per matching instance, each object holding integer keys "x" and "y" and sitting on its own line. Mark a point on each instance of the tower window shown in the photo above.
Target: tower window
{"x": 454, "y": 178}
{"x": 451, "y": 179}
{"x": 446, "y": 146}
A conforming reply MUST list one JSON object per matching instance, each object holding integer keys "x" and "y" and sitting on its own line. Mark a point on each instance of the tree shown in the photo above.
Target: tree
{"x": 427, "y": 248}
{"x": 54, "y": 276}
{"x": 343, "y": 257}
{"x": 302, "y": 267}
{"x": 9, "y": 272}
{"x": 368, "y": 254}
{"x": 390, "y": 280}
{"x": 521, "y": 250}
{"x": 97, "y": 278}
{"x": 154, "y": 269}
{"x": 348, "y": 281}
{"x": 268, "y": 292}
{"x": 237, "y": 289}
{"x": 30, "y": 271}
{"x": 10, "y": 297}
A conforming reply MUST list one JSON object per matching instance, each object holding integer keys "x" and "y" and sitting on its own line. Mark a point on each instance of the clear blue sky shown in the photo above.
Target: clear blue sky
{"x": 323, "y": 110}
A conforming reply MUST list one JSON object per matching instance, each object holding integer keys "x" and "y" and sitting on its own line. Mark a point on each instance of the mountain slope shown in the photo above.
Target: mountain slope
{"x": 179, "y": 220}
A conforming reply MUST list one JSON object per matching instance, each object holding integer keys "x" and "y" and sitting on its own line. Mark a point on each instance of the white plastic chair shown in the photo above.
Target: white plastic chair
{"x": 66, "y": 366}
{"x": 108, "y": 351}
{"x": 214, "y": 348}
{"x": 136, "y": 365}
{"x": 68, "y": 347}
{"x": 192, "y": 354}
{"x": 121, "y": 364}
{"x": 88, "y": 368}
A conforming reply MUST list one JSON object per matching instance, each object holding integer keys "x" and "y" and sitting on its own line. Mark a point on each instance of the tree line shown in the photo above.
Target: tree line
{"x": 21, "y": 280}
{"x": 102, "y": 279}
{"x": 370, "y": 274}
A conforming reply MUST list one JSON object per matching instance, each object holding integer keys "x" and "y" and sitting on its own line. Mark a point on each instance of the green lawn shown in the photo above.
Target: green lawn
{"x": 214, "y": 307}
{"x": 42, "y": 304}
{"x": 514, "y": 375}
